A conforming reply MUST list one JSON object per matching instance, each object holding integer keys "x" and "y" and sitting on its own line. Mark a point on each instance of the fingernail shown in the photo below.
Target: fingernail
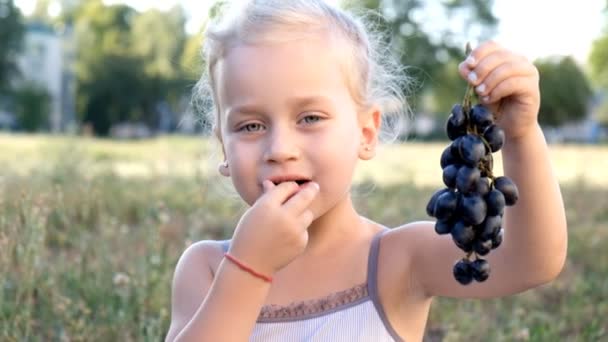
{"x": 472, "y": 76}
{"x": 485, "y": 99}
{"x": 470, "y": 60}
{"x": 481, "y": 88}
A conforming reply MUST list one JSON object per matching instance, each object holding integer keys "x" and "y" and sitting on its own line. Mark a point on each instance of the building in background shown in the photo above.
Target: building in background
{"x": 46, "y": 62}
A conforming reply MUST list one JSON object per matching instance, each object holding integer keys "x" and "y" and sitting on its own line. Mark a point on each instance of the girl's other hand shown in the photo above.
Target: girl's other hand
{"x": 506, "y": 83}
{"x": 273, "y": 232}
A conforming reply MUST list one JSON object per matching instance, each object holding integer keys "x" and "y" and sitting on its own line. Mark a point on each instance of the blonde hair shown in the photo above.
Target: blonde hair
{"x": 373, "y": 74}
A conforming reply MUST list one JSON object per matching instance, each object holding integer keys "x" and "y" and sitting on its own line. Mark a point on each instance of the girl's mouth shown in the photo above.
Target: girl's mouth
{"x": 300, "y": 182}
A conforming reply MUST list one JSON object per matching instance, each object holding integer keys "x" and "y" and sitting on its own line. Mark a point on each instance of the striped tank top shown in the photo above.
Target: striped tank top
{"x": 351, "y": 315}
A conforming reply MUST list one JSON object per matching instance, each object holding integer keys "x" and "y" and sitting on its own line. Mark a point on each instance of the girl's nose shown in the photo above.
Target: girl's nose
{"x": 281, "y": 147}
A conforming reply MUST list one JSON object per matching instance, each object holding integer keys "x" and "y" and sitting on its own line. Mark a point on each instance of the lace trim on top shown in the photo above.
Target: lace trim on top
{"x": 314, "y": 307}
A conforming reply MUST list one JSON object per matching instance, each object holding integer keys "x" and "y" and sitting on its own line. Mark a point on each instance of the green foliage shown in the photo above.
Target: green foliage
{"x": 108, "y": 76}
{"x": 11, "y": 36}
{"x": 32, "y": 104}
{"x": 448, "y": 89}
{"x": 41, "y": 12}
{"x": 427, "y": 41}
{"x": 565, "y": 91}
{"x": 159, "y": 39}
{"x": 127, "y": 62}
{"x": 597, "y": 61}
{"x": 191, "y": 61}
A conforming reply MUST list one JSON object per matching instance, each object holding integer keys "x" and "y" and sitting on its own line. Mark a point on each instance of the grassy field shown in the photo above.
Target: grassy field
{"x": 90, "y": 231}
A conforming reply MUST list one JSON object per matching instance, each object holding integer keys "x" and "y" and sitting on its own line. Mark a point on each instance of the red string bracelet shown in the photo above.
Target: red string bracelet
{"x": 248, "y": 269}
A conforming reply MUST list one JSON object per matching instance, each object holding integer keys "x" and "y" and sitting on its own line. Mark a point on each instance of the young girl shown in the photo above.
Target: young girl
{"x": 297, "y": 90}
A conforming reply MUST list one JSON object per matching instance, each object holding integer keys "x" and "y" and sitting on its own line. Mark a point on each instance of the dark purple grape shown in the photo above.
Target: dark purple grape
{"x": 482, "y": 186}
{"x": 481, "y": 117}
{"x": 466, "y": 179}
{"x": 430, "y": 207}
{"x": 449, "y": 175}
{"x": 497, "y": 239}
{"x": 495, "y": 201}
{"x": 463, "y": 236}
{"x": 448, "y": 158}
{"x": 463, "y": 273}
{"x": 455, "y": 147}
{"x": 482, "y": 247}
{"x": 480, "y": 269}
{"x": 458, "y": 116}
{"x": 443, "y": 226}
{"x": 454, "y": 132}
{"x": 446, "y": 205}
{"x": 471, "y": 149}
{"x": 490, "y": 227}
{"x": 472, "y": 209}
{"x": 508, "y": 189}
{"x": 495, "y": 137}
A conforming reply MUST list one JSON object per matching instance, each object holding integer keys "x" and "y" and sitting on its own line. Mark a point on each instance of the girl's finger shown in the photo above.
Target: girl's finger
{"x": 280, "y": 193}
{"x": 267, "y": 185}
{"x": 502, "y": 72}
{"x": 299, "y": 202}
{"x": 484, "y": 67}
{"x": 480, "y": 52}
{"x": 508, "y": 87}
{"x": 306, "y": 219}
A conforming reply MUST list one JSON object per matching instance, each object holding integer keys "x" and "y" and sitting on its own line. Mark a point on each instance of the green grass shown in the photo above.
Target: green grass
{"x": 90, "y": 231}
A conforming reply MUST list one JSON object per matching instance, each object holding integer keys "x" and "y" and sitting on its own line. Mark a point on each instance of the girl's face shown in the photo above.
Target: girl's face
{"x": 285, "y": 114}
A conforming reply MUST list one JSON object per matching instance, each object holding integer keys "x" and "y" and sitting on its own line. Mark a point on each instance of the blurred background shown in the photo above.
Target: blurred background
{"x": 108, "y": 174}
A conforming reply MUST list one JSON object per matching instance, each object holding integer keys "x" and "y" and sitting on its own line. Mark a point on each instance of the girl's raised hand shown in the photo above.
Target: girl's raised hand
{"x": 506, "y": 83}
{"x": 273, "y": 232}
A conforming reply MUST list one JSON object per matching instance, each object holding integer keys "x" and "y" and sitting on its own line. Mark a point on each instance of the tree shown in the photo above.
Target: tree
{"x": 565, "y": 91}
{"x": 597, "y": 61}
{"x": 32, "y": 103}
{"x": 11, "y": 37}
{"x": 428, "y": 34}
{"x": 192, "y": 61}
{"x": 127, "y": 63}
{"x": 41, "y": 12}
{"x": 159, "y": 40}
{"x": 108, "y": 77}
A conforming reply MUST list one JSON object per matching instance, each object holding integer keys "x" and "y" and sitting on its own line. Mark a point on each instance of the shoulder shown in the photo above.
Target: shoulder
{"x": 201, "y": 255}
{"x": 203, "y": 251}
{"x": 192, "y": 279}
{"x": 400, "y": 249}
{"x": 405, "y": 239}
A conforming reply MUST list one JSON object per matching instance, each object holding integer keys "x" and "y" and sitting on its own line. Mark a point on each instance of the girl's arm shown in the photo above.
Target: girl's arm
{"x": 535, "y": 238}
{"x": 225, "y": 306}
{"x": 207, "y": 308}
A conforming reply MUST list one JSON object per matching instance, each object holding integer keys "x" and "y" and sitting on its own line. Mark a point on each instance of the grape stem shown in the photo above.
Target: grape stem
{"x": 484, "y": 165}
{"x": 466, "y": 103}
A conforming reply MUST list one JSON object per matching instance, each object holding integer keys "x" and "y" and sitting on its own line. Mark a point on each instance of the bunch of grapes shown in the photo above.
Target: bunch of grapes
{"x": 471, "y": 206}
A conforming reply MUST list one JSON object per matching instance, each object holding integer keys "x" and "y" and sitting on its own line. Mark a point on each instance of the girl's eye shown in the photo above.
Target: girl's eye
{"x": 311, "y": 119}
{"x": 251, "y": 127}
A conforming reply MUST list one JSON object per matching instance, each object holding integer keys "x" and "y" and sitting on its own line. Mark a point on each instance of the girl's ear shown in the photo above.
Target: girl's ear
{"x": 369, "y": 122}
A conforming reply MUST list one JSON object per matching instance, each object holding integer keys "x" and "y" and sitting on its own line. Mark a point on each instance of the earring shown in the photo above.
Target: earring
{"x": 223, "y": 169}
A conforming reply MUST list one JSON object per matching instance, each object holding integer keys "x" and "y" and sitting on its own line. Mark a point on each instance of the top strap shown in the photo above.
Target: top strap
{"x": 372, "y": 262}
{"x": 225, "y": 245}
{"x": 372, "y": 283}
